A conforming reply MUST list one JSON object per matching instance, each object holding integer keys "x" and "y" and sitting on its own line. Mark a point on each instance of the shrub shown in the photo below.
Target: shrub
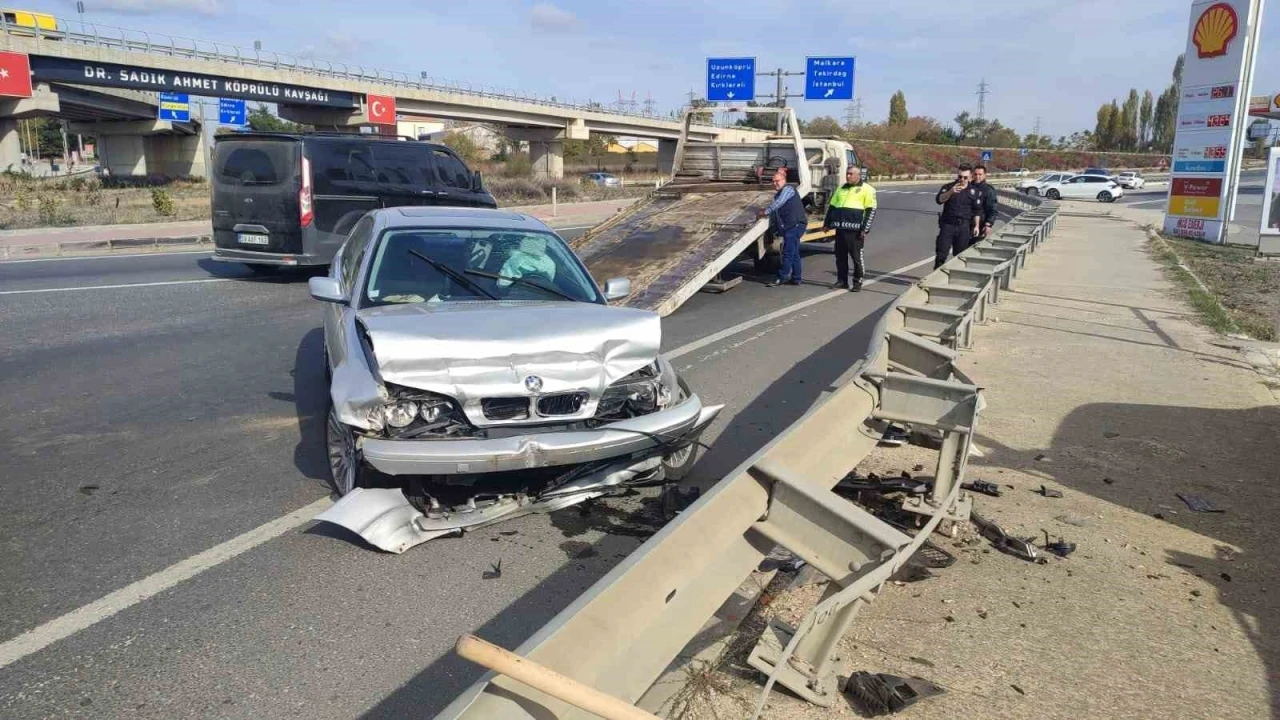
{"x": 162, "y": 202}
{"x": 49, "y": 210}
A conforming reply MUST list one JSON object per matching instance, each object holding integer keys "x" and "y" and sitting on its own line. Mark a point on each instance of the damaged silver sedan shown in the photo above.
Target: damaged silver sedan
{"x": 478, "y": 373}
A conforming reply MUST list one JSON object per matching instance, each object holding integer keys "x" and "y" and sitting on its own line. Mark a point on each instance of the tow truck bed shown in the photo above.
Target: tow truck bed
{"x": 672, "y": 243}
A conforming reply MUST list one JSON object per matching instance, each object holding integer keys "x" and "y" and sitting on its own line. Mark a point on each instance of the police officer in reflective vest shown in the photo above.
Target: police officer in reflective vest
{"x": 850, "y": 212}
{"x": 961, "y": 214}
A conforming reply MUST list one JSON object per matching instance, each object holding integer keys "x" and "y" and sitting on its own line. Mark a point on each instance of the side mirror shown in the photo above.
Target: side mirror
{"x": 477, "y": 183}
{"x": 616, "y": 289}
{"x": 326, "y": 289}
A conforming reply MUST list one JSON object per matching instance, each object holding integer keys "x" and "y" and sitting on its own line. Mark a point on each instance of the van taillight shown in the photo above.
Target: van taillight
{"x": 305, "y": 209}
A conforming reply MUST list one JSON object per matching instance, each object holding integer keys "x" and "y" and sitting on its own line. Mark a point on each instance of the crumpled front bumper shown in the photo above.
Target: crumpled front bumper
{"x": 538, "y": 449}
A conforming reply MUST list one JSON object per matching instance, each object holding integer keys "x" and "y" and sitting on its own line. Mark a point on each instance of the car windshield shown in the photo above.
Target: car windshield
{"x": 430, "y": 265}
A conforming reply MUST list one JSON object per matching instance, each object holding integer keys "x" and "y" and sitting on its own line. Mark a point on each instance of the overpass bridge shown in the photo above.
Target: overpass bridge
{"x": 131, "y": 140}
{"x": 326, "y": 94}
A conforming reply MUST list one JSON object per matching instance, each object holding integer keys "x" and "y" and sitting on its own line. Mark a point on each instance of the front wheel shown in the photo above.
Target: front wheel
{"x": 1033, "y": 192}
{"x": 1105, "y": 196}
{"x": 1053, "y": 195}
{"x": 344, "y": 458}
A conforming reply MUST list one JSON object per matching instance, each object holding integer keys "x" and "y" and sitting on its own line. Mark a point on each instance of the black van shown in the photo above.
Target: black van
{"x": 290, "y": 199}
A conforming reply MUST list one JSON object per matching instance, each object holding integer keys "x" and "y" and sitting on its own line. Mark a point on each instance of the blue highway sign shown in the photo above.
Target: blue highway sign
{"x": 175, "y": 106}
{"x": 231, "y": 112}
{"x": 731, "y": 79}
{"x": 828, "y": 78}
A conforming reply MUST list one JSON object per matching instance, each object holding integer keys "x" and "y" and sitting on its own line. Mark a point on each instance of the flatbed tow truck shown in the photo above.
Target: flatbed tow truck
{"x": 681, "y": 238}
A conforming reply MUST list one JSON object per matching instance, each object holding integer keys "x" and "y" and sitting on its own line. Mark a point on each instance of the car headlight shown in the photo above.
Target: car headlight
{"x": 400, "y": 414}
{"x": 644, "y": 391}
{"x": 411, "y": 413}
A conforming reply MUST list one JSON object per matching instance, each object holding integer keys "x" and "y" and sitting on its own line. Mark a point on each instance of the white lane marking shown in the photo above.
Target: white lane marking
{"x": 86, "y": 616}
{"x": 1147, "y": 202}
{"x": 743, "y": 326}
{"x": 118, "y": 256}
{"x": 113, "y": 287}
{"x": 73, "y": 622}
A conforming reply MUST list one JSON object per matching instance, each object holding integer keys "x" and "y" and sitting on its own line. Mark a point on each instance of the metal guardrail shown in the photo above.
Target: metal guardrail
{"x": 623, "y": 633}
{"x": 118, "y": 38}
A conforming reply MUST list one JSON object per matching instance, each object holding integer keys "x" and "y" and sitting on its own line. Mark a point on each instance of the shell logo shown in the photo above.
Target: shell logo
{"x": 1215, "y": 30}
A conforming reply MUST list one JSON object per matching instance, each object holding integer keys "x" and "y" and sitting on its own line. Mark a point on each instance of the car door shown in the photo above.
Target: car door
{"x": 346, "y": 186}
{"x": 453, "y": 180}
{"x": 1074, "y": 187}
{"x": 405, "y": 175}
{"x": 346, "y": 270}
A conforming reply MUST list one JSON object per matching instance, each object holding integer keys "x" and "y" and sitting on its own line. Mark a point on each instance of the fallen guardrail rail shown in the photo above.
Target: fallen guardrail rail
{"x": 622, "y": 633}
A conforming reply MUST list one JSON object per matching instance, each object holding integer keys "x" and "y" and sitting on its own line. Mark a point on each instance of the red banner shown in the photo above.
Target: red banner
{"x": 1197, "y": 187}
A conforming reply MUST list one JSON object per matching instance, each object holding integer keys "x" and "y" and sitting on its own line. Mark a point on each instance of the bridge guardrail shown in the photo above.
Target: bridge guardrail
{"x": 114, "y": 37}
{"x": 624, "y": 631}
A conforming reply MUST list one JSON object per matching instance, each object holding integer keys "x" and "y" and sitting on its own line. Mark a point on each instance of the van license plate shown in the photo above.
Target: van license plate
{"x": 247, "y": 239}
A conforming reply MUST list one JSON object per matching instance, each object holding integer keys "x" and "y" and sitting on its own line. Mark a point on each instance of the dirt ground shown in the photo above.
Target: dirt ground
{"x": 83, "y": 201}
{"x": 1247, "y": 287}
{"x": 1100, "y": 384}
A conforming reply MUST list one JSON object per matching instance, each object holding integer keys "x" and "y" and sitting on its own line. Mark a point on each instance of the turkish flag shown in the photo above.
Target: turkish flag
{"x": 380, "y": 109}
{"x": 15, "y": 75}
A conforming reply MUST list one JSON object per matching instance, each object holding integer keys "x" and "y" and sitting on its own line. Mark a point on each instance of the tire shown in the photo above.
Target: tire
{"x": 1106, "y": 196}
{"x": 676, "y": 466}
{"x": 1053, "y": 194}
{"x": 1033, "y": 191}
{"x": 263, "y": 270}
{"x": 346, "y": 469}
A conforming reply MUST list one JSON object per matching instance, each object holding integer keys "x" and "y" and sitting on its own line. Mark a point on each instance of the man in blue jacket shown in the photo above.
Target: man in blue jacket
{"x": 787, "y": 218}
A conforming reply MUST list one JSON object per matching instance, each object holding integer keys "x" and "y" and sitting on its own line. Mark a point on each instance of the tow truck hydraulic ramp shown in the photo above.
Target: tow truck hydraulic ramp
{"x": 672, "y": 243}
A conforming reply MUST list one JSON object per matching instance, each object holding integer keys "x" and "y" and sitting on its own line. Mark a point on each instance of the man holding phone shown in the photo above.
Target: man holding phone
{"x": 961, "y": 216}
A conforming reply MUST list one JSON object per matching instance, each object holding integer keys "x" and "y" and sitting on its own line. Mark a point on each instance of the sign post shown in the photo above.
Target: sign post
{"x": 828, "y": 78}
{"x": 1269, "y": 232}
{"x": 1212, "y": 114}
{"x": 731, "y": 79}
{"x": 175, "y": 106}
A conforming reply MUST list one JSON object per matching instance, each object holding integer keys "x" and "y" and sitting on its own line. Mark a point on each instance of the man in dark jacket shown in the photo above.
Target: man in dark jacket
{"x": 850, "y": 212}
{"x": 989, "y": 199}
{"x": 787, "y": 218}
{"x": 961, "y": 214}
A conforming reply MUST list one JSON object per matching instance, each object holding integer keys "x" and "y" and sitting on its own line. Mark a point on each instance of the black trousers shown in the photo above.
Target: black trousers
{"x": 849, "y": 245}
{"x": 953, "y": 239}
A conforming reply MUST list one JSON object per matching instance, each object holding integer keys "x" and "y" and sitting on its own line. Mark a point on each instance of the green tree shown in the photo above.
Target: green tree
{"x": 1128, "y": 139}
{"x": 1115, "y": 130}
{"x": 1145, "y": 113}
{"x": 822, "y": 125}
{"x": 898, "y": 109}
{"x": 997, "y": 135}
{"x": 971, "y": 128}
{"x": 469, "y": 150}
{"x": 1102, "y": 130}
{"x": 1165, "y": 120}
{"x": 758, "y": 121}
{"x": 260, "y": 119}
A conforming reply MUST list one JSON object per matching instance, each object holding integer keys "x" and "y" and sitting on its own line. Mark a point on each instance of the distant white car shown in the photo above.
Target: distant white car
{"x": 1021, "y": 172}
{"x": 1085, "y": 187}
{"x": 1037, "y": 186}
{"x": 1131, "y": 180}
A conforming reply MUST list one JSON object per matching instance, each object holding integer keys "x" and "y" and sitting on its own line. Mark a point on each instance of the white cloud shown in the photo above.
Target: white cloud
{"x": 545, "y": 16}
{"x": 143, "y": 7}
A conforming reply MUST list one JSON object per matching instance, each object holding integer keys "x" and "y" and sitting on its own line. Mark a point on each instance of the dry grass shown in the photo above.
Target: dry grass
{"x": 30, "y": 203}
{"x": 1244, "y": 292}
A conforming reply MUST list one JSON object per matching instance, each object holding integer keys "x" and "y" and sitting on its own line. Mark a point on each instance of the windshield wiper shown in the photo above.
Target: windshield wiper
{"x": 522, "y": 281}
{"x": 457, "y": 276}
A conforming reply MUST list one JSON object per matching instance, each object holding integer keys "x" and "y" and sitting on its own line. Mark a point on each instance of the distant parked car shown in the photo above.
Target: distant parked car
{"x": 602, "y": 179}
{"x": 1131, "y": 180}
{"x": 1081, "y": 187}
{"x": 1021, "y": 172}
{"x": 1037, "y": 186}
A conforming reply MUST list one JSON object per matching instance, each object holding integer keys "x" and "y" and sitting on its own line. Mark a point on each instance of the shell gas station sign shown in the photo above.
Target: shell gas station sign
{"x": 1211, "y": 116}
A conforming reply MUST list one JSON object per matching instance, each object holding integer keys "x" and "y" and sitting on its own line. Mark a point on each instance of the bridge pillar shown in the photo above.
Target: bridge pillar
{"x": 666, "y": 156}
{"x": 148, "y": 147}
{"x": 322, "y": 118}
{"x": 10, "y": 146}
{"x": 548, "y": 159}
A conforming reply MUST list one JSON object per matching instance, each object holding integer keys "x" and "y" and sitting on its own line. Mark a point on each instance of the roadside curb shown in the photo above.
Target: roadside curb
{"x": 74, "y": 248}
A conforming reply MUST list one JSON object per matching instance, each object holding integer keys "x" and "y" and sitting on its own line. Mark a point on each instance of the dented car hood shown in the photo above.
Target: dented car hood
{"x": 474, "y": 350}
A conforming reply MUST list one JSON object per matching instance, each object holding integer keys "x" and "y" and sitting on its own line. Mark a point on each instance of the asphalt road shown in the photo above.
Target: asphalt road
{"x": 149, "y": 423}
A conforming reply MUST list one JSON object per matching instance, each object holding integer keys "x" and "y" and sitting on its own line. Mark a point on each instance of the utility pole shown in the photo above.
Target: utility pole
{"x": 1037, "y": 130}
{"x": 780, "y": 97}
{"x": 983, "y": 91}
{"x": 853, "y": 114}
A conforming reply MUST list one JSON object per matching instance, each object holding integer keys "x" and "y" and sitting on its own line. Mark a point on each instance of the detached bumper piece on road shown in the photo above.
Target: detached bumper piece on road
{"x": 386, "y": 519}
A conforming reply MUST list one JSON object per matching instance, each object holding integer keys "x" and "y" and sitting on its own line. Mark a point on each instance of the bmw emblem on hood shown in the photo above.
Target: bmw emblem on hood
{"x": 533, "y": 383}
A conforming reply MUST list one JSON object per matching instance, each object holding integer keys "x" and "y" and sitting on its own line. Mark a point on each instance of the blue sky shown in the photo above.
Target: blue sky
{"x": 1053, "y": 59}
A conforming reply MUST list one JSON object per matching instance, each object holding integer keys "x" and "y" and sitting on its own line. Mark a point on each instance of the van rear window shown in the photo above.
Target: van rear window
{"x": 254, "y": 163}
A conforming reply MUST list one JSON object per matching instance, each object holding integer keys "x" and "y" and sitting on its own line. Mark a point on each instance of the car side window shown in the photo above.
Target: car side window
{"x": 450, "y": 170}
{"x": 338, "y": 166}
{"x": 353, "y": 251}
{"x": 402, "y": 163}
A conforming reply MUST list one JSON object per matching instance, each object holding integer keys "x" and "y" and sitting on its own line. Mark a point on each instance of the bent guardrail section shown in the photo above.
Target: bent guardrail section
{"x": 621, "y": 634}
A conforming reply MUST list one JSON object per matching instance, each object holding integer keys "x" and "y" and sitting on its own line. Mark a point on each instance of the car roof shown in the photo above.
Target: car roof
{"x": 455, "y": 217}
